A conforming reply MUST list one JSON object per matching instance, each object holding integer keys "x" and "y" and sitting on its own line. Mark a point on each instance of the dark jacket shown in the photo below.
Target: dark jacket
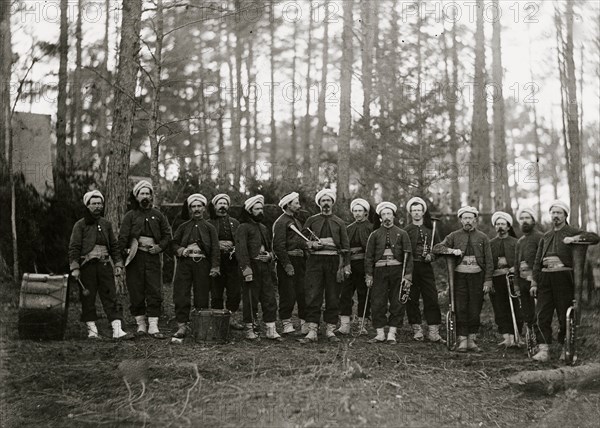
{"x": 233, "y": 224}
{"x": 400, "y": 243}
{"x": 563, "y": 251}
{"x": 458, "y": 240}
{"x": 83, "y": 240}
{"x": 284, "y": 239}
{"x": 209, "y": 242}
{"x": 526, "y": 249}
{"x": 413, "y": 234}
{"x": 338, "y": 232}
{"x": 510, "y": 244}
{"x": 133, "y": 225}
{"x": 362, "y": 230}
{"x": 248, "y": 241}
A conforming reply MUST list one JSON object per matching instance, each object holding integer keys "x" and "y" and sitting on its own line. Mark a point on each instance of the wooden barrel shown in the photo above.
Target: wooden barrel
{"x": 210, "y": 325}
{"x": 43, "y": 306}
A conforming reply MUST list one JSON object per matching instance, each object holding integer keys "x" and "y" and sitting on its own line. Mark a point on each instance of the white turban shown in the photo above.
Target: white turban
{"x": 385, "y": 205}
{"x": 250, "y": 202}
{"x": 502, "y": 215}
{"x": 324, "y": 192}
{"x": 416, "y": 200}
{"x": 220, "y": 196}
{"x": 561, "y": 205}
{"x": 290, "y": 197}
{"x": 196, "y": 197}
{"x": 468, "y": 209}
{"x": 527, "y": 210}
{"x": 361, "y": 202}
{"x": 92, "y": 194}
{"x": 140, "y": 185}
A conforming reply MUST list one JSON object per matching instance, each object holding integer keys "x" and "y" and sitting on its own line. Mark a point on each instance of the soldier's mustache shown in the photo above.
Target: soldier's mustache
{"x": 222, "y": 209}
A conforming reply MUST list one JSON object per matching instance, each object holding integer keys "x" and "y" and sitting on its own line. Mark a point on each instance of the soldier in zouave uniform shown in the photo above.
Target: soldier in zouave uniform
{"x": 472, "y": 275}
{"x": 358, "y": 234}
{"x": 326, "y": 267}
{"x": 525, "y": 251}
{"x": 144, "y": 234}
{"x": 197, "y": 247}
{"x": 384, "y": 260}
{"x": 254, "y": 253}
{"x": 289, "y": 249}
{"x": 420, "y": 231}
{"x": 503, "y": 254}
{"x": 553, "y": 277}
{"x": 230, "y": 279}
{"x": 91, "y": 248}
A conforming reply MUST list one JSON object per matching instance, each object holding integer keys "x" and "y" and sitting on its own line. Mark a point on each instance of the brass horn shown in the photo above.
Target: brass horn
{"x": 451, "y": 314}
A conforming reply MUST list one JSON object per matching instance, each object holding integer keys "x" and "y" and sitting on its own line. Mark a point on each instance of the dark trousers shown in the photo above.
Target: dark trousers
{"x": 263, "y": 292}
{"x": 527, "y": 302}
{"x": 230, "y": 281}
{"x": 356, "y": 282}
{"x": 501, "y": 305}
{"x": 321, "y": 277}
{"x": 468, "y": 296}
{"x": 386, "y": 286}
{"x": 555, "y": 292}
{"x": 190, "y": 275}
{"x": 144, "y": 283}
{"x": 423, "y": 285}
{"x": 291, "y": 289}
{"x": 98, "y": 278}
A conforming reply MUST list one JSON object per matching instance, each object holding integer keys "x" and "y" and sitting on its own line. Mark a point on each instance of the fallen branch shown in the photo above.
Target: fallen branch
{"x": 551, "y": 381}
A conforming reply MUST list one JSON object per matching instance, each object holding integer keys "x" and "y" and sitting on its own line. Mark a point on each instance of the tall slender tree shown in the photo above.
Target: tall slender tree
{"x": 123, "y": 112}
{"x": 343, "y": 182}
{"x": 294, "y": 137}
{"x": 60, "y": 180}
{"x": 306, "y": 162}
{"x": 501, "y": 191}
{"x": 156, "y": 83}
{"x": 480, "y": 145}
{"x": 273, "y": 151}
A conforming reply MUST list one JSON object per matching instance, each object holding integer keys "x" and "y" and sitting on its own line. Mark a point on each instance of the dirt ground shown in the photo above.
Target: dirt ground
{"x": 77, "y": 382}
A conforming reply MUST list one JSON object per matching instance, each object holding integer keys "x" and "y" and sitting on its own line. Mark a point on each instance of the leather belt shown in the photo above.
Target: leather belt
{"x": 296, "y": 253}
{"x": 357, "y": 256}
{"x": 325, "y": 253}
{"x": 499, "y": 272}
{"x": 387, "y": 262}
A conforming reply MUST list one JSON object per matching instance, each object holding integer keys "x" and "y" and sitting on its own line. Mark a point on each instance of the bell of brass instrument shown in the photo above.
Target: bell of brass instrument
{"x": 579, "y": 250}
{"x": 404, "y": 294}
{"x": 451, "y": 314}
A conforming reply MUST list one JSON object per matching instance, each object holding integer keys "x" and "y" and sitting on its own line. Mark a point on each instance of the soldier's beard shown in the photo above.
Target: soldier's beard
{"x": 387, "y": 222}
{"x": 526, "y": 227}
{"x": 145, "y": 203}
{"x": 258, "y": 218}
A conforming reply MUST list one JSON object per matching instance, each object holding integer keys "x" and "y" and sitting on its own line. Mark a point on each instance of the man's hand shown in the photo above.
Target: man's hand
{"x": 264, "y": 257}
{"x": 315, "y": 245}
{"x": 75, "y": 273}
{"x": 429, "y": 257}
{"x": 289, "y": 269}
{"x": 118, "y": 271}
{"x": 347, "y": 271}
{"x": 533, "y": 289}
{"x": 247, "y": 273}
{"x": 154, "y": 249}
{"x": 488, "y": 288}
{"x": 569, "y": 240}
{"x": 214, "y": 272}
{"x": 225, "y": 245}
{"x": 369, "y": 280}
{"x": 457, "y": 252}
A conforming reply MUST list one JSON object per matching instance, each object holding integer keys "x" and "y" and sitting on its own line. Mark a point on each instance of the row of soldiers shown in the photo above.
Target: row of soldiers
{"x": 322, "y": 259}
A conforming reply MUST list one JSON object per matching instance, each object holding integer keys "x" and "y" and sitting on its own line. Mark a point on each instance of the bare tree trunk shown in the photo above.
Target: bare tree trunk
{"x": 237, "y": 123}
{"x": 294, "y": 141}
{"x": 60, "y": 180}
{"x": 306, "y": 173}
{"x": 248, "y": 113}
{"x": 154, "y": 110}
{"x": 102, "y": 90}
{"x": 502, "y": 191}
{"x": 273, "y": 151}
{"x": 343, "y": 183}
{"x": 563, "y": 91}
{"x": 583, "y": 163}
{"x": 536, "y": 141}
{"x": 5, "y": 73}
{"x": 315, "y": 155}
{"x": 123, "y": 112}
{"x": 573, "y": 120}
{"x": 451, "y": 101}
{"x": 368, "y": 25}
{"x": 77, "y": 148}
{"x": 480, "y": 159}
